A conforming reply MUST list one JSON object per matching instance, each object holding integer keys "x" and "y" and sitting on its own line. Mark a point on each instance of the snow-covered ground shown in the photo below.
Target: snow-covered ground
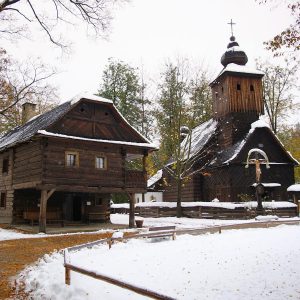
{"x": 122, "y": 219}
{"x": 6, "y": 234}
{"x": 237, "y": 264}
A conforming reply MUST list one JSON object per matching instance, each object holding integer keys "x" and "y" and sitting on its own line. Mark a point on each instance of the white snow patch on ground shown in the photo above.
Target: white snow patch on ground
{"x": 183, "y": 223}
{"x": 237, "y": 264}
{"x": 6, "y": 234}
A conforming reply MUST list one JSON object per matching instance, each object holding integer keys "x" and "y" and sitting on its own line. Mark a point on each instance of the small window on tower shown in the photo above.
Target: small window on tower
{"x": 3, "y": 200}
{"x": 238, "y": 86}
{"x": 5, "y": 164}
{"x": 251, "y": 88}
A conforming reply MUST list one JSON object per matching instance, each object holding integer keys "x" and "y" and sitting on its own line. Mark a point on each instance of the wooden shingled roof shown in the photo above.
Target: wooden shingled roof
{"x": 40, "y": 123}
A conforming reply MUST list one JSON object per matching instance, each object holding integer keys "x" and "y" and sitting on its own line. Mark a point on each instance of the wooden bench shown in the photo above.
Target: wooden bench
{"x": 162, "y": 231}
{"x": 153, "y": 232}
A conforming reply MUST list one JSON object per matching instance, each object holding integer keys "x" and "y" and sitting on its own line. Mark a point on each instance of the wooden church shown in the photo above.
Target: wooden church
{"x": 62, "y": 166}
{"x": 223, "y": 142}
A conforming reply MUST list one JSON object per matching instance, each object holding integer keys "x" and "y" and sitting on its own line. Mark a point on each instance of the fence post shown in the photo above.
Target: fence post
{"x": 67, "y": 275}
{"x": 220, "y": 230}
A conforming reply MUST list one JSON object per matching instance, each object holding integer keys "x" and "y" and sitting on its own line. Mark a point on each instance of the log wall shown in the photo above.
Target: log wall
{"x": 190, "y": 190}
{"x": 55, "y": 171}
{"x": 6, "y": 187}
{"x": 27, "y": 165}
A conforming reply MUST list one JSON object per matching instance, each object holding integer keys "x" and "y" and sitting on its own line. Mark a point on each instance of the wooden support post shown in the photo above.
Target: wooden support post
{"x": 45, "y": 195}
{"x": 174, "y": 236}
{"x": 131, "y": 210}
{"x": 110, "y": 242}
{"x": 220, "y": 229}
{"x": 67, "y": 276}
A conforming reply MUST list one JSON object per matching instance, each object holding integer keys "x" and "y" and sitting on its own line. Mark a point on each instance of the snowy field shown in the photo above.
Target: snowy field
{"x": 237, "y": 264}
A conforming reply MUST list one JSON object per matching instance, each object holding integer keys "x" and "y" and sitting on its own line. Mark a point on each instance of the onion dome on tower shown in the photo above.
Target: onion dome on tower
{"x": 234, "y": 54}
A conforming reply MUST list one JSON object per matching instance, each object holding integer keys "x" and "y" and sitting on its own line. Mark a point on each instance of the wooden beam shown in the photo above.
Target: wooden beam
{"x": 26, "y": 185}
{"x": 45, "y": 195}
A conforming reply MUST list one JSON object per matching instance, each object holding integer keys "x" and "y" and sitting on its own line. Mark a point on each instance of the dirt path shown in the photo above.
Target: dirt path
{"x": 16, "y": 254}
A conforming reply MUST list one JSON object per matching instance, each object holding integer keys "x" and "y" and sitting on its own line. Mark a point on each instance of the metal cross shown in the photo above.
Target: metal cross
{"x": 231, "y": 24}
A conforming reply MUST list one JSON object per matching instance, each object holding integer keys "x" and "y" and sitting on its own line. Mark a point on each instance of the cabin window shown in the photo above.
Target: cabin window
{"x": 251, "y": 88}
{"x": 3, "y": 200}
{"x": 5, "y": 165}
{"x": 72, "y": 159}
{"x": 238, "y": 86}
{"x": 101, "y": 162}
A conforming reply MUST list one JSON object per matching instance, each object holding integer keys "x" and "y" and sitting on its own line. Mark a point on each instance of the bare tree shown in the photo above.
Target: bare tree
{"x": 20, "y": 82}
{"x": 188, "y": 162}
{"x": 15, "y": 15}
{"x": 279, "y": 83}
{"x": 289, "y": 37}
{"x": 184, "y": 102}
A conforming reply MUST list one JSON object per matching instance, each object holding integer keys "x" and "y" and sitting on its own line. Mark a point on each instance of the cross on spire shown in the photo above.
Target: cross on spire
{"x": 231, "y": 24}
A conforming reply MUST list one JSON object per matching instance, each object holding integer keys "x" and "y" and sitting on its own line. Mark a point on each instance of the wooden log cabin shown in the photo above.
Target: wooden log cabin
{"x": 63, "y": 165}
{"x": 223, "y": 141}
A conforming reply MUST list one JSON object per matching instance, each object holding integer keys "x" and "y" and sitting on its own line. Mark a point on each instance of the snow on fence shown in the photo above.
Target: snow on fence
{"x": 209, "y": 210}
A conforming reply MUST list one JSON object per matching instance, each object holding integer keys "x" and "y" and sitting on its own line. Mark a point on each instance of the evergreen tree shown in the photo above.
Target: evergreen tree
{"x": 182, "y": 103}
{"x": 121, "y": 83}
{"x": 201, "y": 97}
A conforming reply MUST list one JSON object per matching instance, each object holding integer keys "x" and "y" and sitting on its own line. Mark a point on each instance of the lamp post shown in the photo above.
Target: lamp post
{"x": 259, "y": 188}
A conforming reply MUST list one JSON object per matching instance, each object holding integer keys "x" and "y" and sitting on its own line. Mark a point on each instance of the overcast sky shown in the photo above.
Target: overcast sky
{"x": 149, "y": 32}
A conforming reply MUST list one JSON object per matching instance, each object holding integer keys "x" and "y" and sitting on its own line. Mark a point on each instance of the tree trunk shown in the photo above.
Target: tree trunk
{"x": 179, "y": 189}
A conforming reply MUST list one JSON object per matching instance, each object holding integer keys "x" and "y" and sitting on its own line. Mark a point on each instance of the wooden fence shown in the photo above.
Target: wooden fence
{"x": 206, "y": 212}
{"x": 143, "y": 291}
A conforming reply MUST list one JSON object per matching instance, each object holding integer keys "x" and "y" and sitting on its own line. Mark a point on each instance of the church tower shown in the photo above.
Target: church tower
{"x": 237, "y": 95}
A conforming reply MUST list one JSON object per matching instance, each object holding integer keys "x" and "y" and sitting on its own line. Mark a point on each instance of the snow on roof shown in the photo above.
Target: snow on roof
{"x": 157, "y": 176}
{"x": 234, "y": 68}
{"x": 88, "y": 96}
{"x": 234, "y": 49}
{"x": 294, "y": 188}
{"x": 144, "y": 145}
{"x": 200, "y": 136}
{"x": 259, "y": 124}
{"x": 269, "y": 184}
{"x": 231, "y": 153}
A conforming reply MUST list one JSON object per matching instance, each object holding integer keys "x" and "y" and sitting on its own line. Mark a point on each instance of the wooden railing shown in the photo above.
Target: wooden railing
{"x": 205, "y": 212}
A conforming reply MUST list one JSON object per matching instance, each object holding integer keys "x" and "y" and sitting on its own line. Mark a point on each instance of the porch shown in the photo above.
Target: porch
{"x": 61, "y": 208}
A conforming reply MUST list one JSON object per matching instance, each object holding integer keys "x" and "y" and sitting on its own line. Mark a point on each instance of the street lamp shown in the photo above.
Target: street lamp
{"x": 259, "y": 188}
